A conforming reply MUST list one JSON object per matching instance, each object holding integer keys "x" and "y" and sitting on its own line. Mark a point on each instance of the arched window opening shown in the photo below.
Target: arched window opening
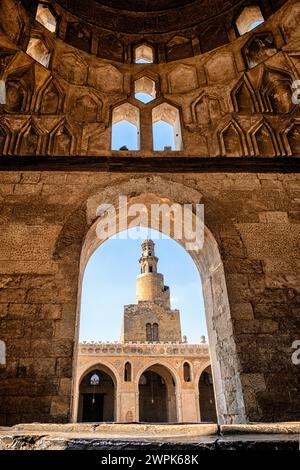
{"x": 127, "y": 372}
{"x": 187, "y": 376}
{"x": 144, "y": 89}
{"x": 250, "y": 18}
{"x": 151, "y": 329}
{"x": 125, "y": 128}
{"x": 38, "y": 51}
{"x": 148, "y": 332}
{"x": 166, "y": 128}
{"x": 95, "y": 380}
{"x": 143, "y": 54}
{"x": 45, "y": 17}
{"x": 163, "y": 136}
{"x": 155, "y": 332}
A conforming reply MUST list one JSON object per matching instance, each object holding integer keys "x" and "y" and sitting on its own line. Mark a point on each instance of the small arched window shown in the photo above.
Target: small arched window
{"x": 166, "y": 128}
{"x": 125, "y": 127}
{"x": 155, "y": 332}
{"x": 127, "y": 372}
{"x": 249, "y": 19}
{"x": 38, "y": 50}
{"x": 145, "y": 90}
{"x": 95, "y": 380}
{"x": 187, "y": 376}
{"x": 45, "y": 17}
{"x": 143, "y": 54}
{"x": 148, "y": 332}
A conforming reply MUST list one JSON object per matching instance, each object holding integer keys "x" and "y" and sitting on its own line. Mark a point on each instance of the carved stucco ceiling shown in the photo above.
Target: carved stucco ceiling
{"x": 148, "y": 16}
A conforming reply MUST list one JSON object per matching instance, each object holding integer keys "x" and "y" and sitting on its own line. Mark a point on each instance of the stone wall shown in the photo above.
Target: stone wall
{"x": 233, "y": 101}
{"x": 150, "y": 286}
{"x": 136, "y": 317}
{"x": 45, "y": 216}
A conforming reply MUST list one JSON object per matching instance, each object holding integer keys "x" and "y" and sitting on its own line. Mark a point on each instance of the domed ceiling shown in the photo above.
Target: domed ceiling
{"x": 147, "y": 16}
{"x": 145, "y": 5}
{"x": 175, "y": 29}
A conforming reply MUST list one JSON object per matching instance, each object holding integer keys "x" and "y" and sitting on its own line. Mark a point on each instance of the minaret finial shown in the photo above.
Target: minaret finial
{"x": 148, "y": 260}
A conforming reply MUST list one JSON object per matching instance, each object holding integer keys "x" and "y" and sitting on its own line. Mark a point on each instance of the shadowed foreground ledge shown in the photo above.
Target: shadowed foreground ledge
{"x": 163, "y": 164}
{"x": 35, "y": 436}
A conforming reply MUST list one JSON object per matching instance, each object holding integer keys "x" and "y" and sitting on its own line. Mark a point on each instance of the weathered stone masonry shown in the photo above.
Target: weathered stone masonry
{"x": 252, "y": 217}
{"x": 236, "y": 113}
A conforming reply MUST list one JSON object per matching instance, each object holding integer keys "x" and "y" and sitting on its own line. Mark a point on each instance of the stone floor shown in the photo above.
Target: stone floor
{"x": 36, "y": 436}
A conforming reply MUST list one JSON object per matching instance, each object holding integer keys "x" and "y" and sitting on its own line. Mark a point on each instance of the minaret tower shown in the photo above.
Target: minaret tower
{"x": 150, "y": 284}
{"x": 151, "y": 319}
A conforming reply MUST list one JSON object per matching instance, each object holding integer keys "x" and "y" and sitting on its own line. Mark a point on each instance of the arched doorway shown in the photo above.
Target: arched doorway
{"x": 207, "y": 397}
{"x": 97, "y": 396}
{"x": 157, "y": 396}
{"x": 155, "y": 190}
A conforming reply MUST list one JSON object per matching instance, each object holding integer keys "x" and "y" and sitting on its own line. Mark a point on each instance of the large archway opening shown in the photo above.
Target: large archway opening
{"x": 97, "y": 395}
{"x": 207, "y": 403}
{"x": 157, "y": 396}
{"x": 110, "y": 282}
{"x": 156, "y": 190}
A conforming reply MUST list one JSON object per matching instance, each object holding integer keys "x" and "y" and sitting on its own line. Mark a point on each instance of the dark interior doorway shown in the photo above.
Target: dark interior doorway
{"x": 97, "y": 397}
{"x": 153, "y": 398}
{"x": 207, "y": 397}
{"x": 157, "y": 396}
{"x": 92, "y": 407}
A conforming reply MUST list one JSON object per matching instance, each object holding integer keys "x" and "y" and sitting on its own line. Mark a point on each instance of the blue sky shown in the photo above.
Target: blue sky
{"x": 125, "y": 134}
{"x": 109, "y": 284}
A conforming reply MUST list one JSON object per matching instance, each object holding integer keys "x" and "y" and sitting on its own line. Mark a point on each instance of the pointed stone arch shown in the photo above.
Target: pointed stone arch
{"x": 154, "y": 189}
{"x": 86, "y": 108}
{"x": 163, "y": 382}
{"x": 19, "y": 90}
{"x": 291, "y": 139}
{"x": 62, "y": 141}
{"x": 30, "y": 139}
{"x": 243, "y": 97}
{"x": 259, "y": 48}
{"x": 276, "y": 91}
{"x": 5, "y": 138}
{"x": 233, "y": 141}
{"x": 50, "y": 98}
{"x": 207, "y": 108}
{"x": 108, "y": 371}
{"x": 264, "y": 140}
